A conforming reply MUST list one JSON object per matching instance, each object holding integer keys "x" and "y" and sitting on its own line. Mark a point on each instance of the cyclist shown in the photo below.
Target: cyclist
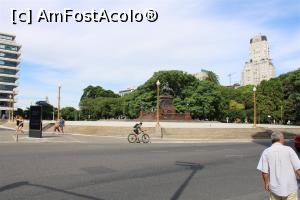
{"x": 137, "y": 128}
{"x": 135, "y": 136}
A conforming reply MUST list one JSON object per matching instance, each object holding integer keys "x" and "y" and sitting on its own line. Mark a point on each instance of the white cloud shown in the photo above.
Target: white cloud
{"x": 188, "y": 36}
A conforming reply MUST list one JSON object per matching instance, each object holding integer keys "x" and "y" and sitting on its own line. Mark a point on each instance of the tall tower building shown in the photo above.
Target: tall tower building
{"x": 9, "y": 61}
{"x": 260, "y": 66}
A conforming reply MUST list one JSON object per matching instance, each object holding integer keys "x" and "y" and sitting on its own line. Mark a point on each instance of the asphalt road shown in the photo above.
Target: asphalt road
{"x": 116, "y": 170}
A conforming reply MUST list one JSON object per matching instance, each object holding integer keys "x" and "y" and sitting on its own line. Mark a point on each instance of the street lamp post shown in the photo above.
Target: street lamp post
{"x": 10, "y": 106}
{"x": 13, "y": 105}
{"x": 157, "y": 103}
{"x": 254, "y": 107}
{"x": 58, "y": 103}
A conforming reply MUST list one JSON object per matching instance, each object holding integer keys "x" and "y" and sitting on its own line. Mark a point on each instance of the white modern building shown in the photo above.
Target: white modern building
{"x": 260, "y": 66}
{"x": 201, "y": 75}
{"x": 127, "y": 91}
{"x": 9, "y": 61}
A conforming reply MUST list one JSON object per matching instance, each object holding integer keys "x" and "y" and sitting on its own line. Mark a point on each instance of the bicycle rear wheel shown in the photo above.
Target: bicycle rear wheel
{"x": 132, "y": 138}
{"x": 145, "y": 138}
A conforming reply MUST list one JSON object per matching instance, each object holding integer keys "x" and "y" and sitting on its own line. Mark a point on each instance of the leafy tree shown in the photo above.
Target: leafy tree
{"x": 97, "y": 91}
{"x": 278, "y": 97}
{"x": 69, "y": 113}
{"x": 211, "y": 76}
{"x": 19, "y": 112}
{"x": 97, "y": 103}
{"x": 237, "y": 104}
{"x": 291, "y": 90}
{"x": 270, "y": 100}
{"x": 146, "y": 94}
{"x": 47, "y": 110}
{"x": 204, "y": 100}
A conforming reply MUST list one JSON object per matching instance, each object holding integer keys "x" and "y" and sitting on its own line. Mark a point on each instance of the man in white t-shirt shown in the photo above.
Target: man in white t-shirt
{"x": 279, "y": 165}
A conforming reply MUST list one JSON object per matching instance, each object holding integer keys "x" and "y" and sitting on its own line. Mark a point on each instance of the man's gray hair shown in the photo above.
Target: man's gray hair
{"x": 276, "y": 135}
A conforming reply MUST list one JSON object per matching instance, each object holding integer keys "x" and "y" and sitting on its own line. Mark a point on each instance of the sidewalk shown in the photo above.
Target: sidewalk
{"x": 8, "y": 136}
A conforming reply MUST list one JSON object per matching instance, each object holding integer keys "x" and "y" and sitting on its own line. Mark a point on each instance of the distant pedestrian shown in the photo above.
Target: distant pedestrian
{"x": 279, "y": 165}
{"x": 17, "y": 123}
{"x": 21, "y": 124}
{"x": 56, "y": 126}
{"x": 62, "y": 124}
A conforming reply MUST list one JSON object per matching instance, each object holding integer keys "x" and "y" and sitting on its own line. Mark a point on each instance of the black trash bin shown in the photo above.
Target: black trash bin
{"x": 35, "y": 122}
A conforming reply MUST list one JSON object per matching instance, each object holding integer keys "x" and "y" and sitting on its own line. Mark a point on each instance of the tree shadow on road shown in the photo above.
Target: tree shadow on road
{"x": 194, "y": 167}
{"x": 26, "y": 183}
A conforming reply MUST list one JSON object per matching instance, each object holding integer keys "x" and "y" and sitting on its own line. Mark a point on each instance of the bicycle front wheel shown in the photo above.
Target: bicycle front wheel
{"x": 132, "y": 138}
{"x": 146, "y": 138}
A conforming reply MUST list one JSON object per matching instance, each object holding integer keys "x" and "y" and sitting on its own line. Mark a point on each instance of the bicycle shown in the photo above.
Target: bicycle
{"x": 133, "y": 137}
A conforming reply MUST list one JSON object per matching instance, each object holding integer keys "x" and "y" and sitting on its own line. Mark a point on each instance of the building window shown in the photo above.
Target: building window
{"x": 8, "y": 55}
{"x": 6, "y": 37}
{"x": 7, "y": 87}
{"x": 8, "y": 71}
{"x": 8, "y": 47}
{"x": 11, "y": 48}
{"x": 7, "y": 79}
{"x": 8, "y": 63}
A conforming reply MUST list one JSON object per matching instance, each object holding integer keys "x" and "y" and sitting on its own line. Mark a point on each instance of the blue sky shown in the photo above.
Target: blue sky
{"x": 189, "y": 35}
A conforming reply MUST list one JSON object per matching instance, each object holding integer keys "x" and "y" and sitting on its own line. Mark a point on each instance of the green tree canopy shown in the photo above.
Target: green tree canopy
{"x": 146, "y": 94}
{"x": 97, "y": 91}
{"x": 212, "y": 76}
{"x": 69, "y": 113}
{"x": 278, "y": 97}
{"x": 291, "y": 92}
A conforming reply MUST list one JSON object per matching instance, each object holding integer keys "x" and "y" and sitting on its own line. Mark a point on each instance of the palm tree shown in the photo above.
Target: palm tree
{"x": 211, "y": 76}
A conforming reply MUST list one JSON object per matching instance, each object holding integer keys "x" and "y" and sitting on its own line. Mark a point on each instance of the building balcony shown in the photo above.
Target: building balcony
{"x": 7, "y": 108}
{"x": 9, "y": 75}
{"x": 11, "y": 52}
{"x": 9, "y": 67}
{"x": 7, "y": 83}
{"x": 15, "y": 92}
{"x": 18, "y": 60}
{"x": 11, "y": 43}
{"x": 7, "y": 100}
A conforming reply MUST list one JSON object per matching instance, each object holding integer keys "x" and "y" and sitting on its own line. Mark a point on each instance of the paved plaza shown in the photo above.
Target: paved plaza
{"x": 87, "y": 167}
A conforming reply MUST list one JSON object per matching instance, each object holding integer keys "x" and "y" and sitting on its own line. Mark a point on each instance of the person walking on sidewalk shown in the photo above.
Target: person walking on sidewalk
{"x": 56, "y": 127}
{"x": 17, "y": 123}
{"x": 62, "y": 124}
{"x": 279, "y": 165}
{"x": 21, "y": 124}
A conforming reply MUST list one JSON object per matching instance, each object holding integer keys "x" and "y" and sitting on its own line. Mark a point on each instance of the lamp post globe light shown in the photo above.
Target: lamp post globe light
{"x": 157, "y": 103}
{"x": 254, "y": 107}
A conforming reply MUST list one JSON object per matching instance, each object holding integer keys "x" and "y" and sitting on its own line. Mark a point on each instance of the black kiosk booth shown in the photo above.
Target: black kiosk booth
{"x": 35, "y": 122}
